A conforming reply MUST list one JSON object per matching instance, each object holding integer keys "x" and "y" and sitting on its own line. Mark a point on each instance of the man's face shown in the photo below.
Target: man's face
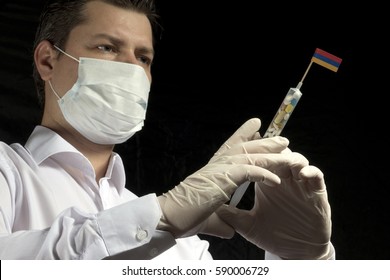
{"x": 109, "y": 33}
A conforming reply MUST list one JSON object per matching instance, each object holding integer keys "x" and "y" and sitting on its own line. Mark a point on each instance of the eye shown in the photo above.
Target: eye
{"x": 145, "y": 60}
{"x": 106, "y": 48}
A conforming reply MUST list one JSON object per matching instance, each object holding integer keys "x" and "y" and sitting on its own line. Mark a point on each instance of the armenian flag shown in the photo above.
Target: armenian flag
{"x": 326, "y": 60}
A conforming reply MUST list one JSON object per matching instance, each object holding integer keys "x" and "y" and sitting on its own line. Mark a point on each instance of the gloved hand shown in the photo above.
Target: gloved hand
{"x": 188, "y": 205}
{"x": 292, "y": 220}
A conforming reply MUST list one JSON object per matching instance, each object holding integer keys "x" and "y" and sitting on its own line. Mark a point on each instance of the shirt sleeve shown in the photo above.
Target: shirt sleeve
{"x": 78, "y": 235}
{"x": 140, "y": 235}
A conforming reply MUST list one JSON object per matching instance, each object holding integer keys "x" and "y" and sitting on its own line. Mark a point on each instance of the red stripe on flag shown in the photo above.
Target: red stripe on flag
{"x": 328, "y": 55}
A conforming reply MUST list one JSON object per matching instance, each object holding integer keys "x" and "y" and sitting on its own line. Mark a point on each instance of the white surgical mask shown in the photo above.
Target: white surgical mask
{"x": 108, "y": 102}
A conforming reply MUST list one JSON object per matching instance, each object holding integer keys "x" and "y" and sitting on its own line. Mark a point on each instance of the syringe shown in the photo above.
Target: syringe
{"x": 276, "y": 126}
{"x": 288, "y": 105}
{"x": 284, "y": 112}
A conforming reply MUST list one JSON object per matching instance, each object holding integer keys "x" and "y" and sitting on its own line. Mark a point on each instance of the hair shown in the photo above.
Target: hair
{"x": 59, "y": 17}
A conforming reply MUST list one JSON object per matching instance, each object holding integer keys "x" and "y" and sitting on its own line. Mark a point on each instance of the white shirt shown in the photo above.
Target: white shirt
{"x": 52, "y": 208}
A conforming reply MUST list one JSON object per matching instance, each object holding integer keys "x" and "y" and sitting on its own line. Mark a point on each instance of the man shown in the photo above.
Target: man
{"x": 62, "y": 195}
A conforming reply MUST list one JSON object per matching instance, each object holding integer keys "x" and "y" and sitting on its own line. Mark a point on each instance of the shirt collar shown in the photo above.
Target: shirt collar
{"x": 44, "y": 143}
{"x": 116, "y": 172}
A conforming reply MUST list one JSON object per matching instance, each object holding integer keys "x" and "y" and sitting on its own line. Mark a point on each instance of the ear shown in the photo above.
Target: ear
{"x": 44, "y": 58}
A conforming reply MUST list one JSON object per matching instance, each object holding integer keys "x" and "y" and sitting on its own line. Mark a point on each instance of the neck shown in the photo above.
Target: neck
{"x": 98, "y": 155}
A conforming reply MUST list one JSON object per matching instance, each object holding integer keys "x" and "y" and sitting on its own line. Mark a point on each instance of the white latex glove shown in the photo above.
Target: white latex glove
{"x": 292, "y": 220}
{"x": 188, "y": 205}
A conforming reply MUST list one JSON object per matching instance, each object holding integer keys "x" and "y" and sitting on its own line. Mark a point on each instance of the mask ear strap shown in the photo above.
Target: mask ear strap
{"x": 68, "y": 55}
{"x": 51, "y": 86}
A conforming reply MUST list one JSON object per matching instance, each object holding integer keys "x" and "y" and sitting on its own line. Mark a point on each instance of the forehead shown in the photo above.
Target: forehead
{"x": 125, "y": 24}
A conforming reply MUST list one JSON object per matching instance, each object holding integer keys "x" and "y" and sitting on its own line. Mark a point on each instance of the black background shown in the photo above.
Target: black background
{"x": 219, "y": 64}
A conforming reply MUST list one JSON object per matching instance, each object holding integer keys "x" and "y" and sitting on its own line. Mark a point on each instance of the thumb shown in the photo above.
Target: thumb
{"x": 247, "y": 131}
{"x": 237, "y": 218}
{"x": 217, "y": 227}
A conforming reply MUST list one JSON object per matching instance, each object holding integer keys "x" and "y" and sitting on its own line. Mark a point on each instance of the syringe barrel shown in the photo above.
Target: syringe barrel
{"x": 284, "y": 112}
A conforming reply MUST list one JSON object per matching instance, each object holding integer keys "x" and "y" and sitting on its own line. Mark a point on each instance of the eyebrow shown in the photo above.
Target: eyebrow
{"x": 119, "y": 42}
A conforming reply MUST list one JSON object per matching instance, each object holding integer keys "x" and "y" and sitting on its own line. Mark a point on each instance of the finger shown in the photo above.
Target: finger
{"x": 215, "y": 226}
{"x": 275, "y": 144}
{"x": 286, "y": 151}
{"x": 240, "y": 174}
{"x": 237, "y": 218}
{"x": 246, "y": 132}
{"x": 288, "y": 164}
{"x": 314, "y": 177}
{"x": 257, "y": 135}
{"x": 282, "y": 164}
